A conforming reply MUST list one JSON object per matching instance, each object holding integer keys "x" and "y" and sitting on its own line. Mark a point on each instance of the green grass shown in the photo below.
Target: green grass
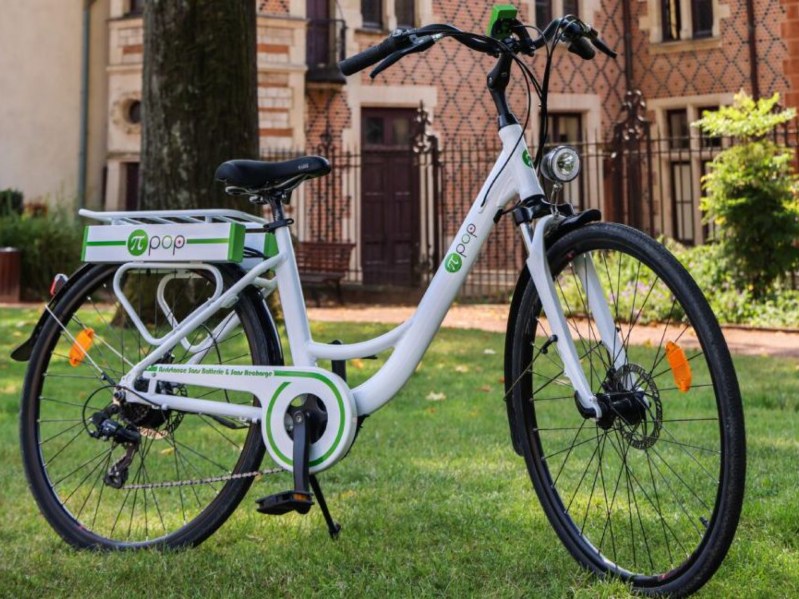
{"x": 432, "y": 501}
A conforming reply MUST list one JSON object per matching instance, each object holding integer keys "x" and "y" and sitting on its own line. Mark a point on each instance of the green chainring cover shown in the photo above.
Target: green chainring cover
{"x": 501, "y": 17}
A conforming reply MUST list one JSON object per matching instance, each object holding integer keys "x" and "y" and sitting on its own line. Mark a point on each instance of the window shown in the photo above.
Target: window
{"x": 570, "y": 7}
{"x": 372, "y": 11}
{"x": 134, "y": 112}
{"x": 705, "y": 140}
{"x": 566, "y": 128}
{"x": 543, "y": 12}
{"x": 682, "y": 202}
{"x": 405, "y": 13}
{"x": 670, "y": 11}
{"x": 677, "y": 125}
{"x": 675, "y": 24}
{"x": 136, "y": 7}
{"x": 131, "y": 185}
{"x": 563, "y": 128}
{"x": 702, "y": 17}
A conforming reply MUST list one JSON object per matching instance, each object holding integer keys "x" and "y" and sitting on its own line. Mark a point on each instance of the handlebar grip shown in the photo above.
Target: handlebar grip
{"x": 582, "y": 48}
{"x": 375, "y": 54}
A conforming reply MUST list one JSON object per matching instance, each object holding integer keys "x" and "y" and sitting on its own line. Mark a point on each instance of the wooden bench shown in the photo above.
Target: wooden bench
{"x": 323, "y": 263}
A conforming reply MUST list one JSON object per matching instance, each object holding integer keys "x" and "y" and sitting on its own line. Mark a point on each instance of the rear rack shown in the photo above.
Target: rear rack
{"x": 154, "y": 217}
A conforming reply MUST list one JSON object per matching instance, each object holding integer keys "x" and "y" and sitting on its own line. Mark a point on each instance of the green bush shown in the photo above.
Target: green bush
{"x": 752, "y": 194}
{"x": 10, "y": 202}
{"x": 779, "y": 307}
{"x": 49, "y": 244}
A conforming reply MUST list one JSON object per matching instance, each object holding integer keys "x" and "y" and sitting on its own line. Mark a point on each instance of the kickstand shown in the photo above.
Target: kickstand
{"x": 332, "y": 527}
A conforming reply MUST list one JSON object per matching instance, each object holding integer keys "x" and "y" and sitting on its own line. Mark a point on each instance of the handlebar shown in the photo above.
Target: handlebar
{"x": 398, "y": 40}
{"x": 582, "y": 39}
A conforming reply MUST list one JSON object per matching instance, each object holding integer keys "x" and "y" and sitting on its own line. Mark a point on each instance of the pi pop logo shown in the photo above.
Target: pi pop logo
{"x": 139, "y": 242}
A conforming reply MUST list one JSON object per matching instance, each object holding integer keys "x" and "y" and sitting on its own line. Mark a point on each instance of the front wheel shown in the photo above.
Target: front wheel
{"x": 652, "y": 491}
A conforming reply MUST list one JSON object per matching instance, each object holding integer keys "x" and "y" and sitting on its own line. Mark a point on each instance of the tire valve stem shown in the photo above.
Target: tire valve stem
{"x": 552, "y": 339}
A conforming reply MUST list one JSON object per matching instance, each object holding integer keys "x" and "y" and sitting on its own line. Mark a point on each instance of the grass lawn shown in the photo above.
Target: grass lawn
{"x": 432, "y": 501}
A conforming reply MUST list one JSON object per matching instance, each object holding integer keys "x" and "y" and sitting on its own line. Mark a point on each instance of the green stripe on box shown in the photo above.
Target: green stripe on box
{"x": 235, "y": 249}
{"x": 208, "y": 240}
{"x": 85, "y": 239}
{"x": 103, "y": 243}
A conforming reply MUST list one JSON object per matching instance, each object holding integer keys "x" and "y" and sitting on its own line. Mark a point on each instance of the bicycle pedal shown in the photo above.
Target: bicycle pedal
{"x": 287, "y": 501}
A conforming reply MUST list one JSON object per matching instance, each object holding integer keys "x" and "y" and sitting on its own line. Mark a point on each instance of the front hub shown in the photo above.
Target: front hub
{"x": 631, "y": 405}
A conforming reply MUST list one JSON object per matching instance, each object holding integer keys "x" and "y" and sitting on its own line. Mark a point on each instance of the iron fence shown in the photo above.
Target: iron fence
{"x": 648, "y": 181}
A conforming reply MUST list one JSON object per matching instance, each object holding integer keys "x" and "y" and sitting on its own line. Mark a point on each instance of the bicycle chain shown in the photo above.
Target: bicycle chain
{"x": 201, "y": 481}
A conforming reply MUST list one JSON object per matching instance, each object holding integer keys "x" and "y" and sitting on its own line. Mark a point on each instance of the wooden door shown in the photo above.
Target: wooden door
{"x": 389, "y": 198}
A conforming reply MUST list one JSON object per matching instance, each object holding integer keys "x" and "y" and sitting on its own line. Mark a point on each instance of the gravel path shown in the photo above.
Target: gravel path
{"x": 493, "y": 317}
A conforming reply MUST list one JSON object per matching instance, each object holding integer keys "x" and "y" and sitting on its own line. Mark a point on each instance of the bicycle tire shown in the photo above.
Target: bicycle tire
{"x": 58, "y": 400}
{"x": 654, "y": 502}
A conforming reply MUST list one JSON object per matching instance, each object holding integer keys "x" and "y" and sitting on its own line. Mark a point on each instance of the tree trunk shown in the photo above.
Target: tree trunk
{"x": 199, "y": 100}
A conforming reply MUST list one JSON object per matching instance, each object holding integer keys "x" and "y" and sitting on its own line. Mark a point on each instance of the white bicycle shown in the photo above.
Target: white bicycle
{"x": 156, "y": 375}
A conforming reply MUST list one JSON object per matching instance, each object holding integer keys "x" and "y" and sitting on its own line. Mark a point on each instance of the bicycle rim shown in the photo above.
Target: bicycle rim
{"x": 177, "y": 488}
{"x": 653, "y": 491}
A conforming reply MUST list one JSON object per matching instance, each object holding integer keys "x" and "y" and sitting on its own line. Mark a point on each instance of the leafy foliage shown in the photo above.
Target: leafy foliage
{"x": 779, "y": 307}
{"x": 10, "y": 201}
{"x": 50, "y": 244}
{"x": 752, "y": 194}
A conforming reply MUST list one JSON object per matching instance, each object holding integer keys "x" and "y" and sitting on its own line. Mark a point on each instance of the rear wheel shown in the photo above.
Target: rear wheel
{"x": 187, "y": 472}
{"x": 651, "y": 492}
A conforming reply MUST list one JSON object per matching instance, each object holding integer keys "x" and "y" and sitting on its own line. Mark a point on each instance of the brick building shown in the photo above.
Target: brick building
{"x": 395, "y": 204}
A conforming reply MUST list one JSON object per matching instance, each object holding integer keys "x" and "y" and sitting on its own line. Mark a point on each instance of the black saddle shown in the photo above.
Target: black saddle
{"x": 254, "y": 176}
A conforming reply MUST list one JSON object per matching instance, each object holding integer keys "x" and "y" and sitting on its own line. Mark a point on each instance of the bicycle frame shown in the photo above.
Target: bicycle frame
{"x": 510, "y": 176}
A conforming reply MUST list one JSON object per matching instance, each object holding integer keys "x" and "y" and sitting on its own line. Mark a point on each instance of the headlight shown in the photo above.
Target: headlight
{"x": 561, "y": 165}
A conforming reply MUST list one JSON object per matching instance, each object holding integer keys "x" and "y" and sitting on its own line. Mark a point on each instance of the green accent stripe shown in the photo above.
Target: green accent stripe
{"x": 100, "y": 243}
{"x": 270, "y": 245}
{"x": 269, "y": 436}
{"x": 235, "y": 248}
{"x": 339, "y": 400}
{"x": 208, "y": 240}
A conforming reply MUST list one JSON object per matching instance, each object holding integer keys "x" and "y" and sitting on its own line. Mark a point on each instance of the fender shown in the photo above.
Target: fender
{"x": 23, "y": 352}
{"x": 565, "y": 226}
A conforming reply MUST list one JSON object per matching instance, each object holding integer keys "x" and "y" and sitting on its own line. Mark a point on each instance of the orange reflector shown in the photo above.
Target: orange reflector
{"x": 83, "y": 342}
{"x": 680, "y": 368}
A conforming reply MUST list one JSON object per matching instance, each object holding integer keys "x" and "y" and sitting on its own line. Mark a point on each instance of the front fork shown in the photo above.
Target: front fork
{"x": 538, "y": 265}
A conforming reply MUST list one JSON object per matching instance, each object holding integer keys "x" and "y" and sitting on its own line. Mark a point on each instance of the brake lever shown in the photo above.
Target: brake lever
{"x": 577, "y": 29}
{"x": 419, "y": 44}
{"x": 593, "y": 36}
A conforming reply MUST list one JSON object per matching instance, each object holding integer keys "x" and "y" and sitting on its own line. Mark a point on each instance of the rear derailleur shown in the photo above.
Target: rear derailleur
{"x": 126, "y": 435}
